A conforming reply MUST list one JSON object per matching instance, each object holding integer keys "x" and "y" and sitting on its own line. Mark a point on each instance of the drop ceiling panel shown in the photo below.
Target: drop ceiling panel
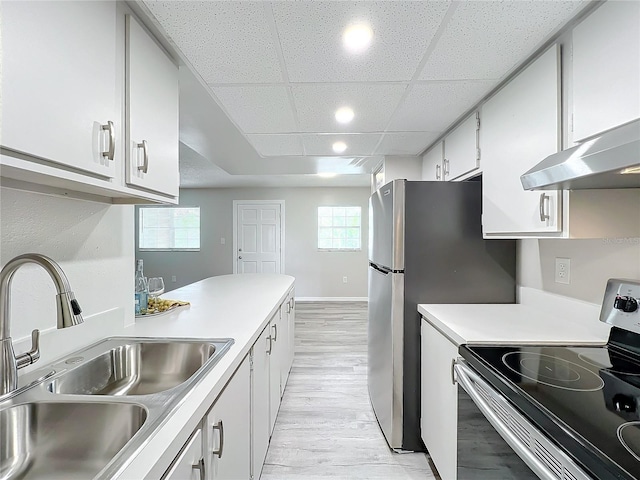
{"x": 373, "y": 105}
{"x": 485, "y": 40}
{"x": 258, "y": 108}
{"x": 277, "y": 145}
{"x": 405, "y": 143}
{"x": 432, "y": 107}
{"x": 357, "y": 144}
{"x": 311, "y": 39}
{"x": 226, "y": 42}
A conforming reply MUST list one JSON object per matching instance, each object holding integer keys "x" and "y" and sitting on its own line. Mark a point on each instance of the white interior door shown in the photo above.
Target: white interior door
{"x": 258, "y": 237}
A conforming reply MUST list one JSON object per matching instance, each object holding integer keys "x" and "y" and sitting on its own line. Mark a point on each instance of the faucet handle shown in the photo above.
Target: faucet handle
{"x": 33, "y": 355}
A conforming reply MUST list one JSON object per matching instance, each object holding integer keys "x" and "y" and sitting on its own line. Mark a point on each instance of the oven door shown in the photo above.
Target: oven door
{"x": 496, "y": 441}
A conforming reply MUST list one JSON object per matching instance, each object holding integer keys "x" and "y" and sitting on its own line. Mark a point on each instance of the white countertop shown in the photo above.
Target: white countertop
{"x": 228, "y": 306}
{"x": 512, "y": 323}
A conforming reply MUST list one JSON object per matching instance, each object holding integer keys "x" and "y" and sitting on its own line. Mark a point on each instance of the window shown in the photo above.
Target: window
{"x": 339, "y": 228}
{"x": 162, "y": 228}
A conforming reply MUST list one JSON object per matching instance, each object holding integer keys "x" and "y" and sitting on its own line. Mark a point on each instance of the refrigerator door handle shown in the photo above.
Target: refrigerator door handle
{"x": 381, "y": 270}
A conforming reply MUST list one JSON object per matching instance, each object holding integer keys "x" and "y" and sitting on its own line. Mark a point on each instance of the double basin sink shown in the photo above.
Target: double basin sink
{"x": 86, "y": 415}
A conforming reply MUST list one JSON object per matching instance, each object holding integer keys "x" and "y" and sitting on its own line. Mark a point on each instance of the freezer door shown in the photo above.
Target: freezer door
{"x": 386, "y": 226}
{"x": 385, "y": 362}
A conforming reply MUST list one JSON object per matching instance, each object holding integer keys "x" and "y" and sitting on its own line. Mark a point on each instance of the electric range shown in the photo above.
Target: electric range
{"x": 584, "y": 399}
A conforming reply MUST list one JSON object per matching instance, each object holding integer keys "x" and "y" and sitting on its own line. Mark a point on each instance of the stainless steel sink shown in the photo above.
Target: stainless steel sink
{"x": 64, "y": 440}
{"x": 85, "y": 415}
{"x": 139, "y": 368}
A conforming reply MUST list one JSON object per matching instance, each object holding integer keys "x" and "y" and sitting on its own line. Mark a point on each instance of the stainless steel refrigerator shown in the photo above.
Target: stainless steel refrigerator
{"x": 425, "y": 246}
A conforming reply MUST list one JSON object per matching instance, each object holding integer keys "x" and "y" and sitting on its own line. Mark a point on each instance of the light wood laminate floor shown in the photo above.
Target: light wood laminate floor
{"x": 326, "y": 427}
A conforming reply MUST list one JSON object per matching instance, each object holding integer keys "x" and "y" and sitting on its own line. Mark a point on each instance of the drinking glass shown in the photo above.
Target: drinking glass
{"x": 156, "y": 286}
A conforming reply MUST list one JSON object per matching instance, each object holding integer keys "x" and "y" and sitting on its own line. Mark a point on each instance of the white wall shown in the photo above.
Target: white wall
{"x": 593, "y": 262}
{"x": 94, "y": 245}
{"x": 318, "y": 274}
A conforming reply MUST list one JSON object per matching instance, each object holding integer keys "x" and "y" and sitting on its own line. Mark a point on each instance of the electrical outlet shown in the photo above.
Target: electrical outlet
{"x": 344, "y": 279}
{"x": 563, "y": 271}
{"x": 223, "y": 240}
{"x": 173, "y": 278}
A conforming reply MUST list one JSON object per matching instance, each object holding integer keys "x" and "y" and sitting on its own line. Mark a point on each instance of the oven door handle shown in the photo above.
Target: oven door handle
{"x": 466, "y": 377}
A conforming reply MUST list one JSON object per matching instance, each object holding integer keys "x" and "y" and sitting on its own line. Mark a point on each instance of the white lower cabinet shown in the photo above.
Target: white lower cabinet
{"x": 439, "y": 407}
{"x": 189, "y": 465}
{"x": 260, "y": 400}
{"x": 227, "y": 429}
{"x": 232, "y": 440}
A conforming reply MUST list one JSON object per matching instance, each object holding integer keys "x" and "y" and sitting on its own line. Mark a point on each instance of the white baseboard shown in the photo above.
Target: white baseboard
{"x": 332, "y": 299}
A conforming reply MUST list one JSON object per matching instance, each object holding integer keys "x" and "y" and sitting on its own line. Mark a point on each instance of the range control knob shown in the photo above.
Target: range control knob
{"x": 626, "y": 304}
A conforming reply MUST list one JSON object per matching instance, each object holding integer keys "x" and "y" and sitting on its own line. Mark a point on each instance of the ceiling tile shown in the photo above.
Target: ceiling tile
{"x": 485, "y": 40}
{"x": 373, "y": 105}
{"x": 226, "y": 42}
{"x": 311, "y": 38}
{"x": 258, "y": 109}
{"x": 432, "y": 107}
{"x": 405, "y": 143}
{"x": 277, "y": 145}
{"x": 357, "y": 144}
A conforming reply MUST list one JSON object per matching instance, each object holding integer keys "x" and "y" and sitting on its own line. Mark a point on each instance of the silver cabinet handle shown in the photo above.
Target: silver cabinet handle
{"x": 275, "y": 332}
{"x": 270, "y": 340}
{"x": 543, "y": 216}
{"x": 110, "y": 152}
{"x": 438, "y": 170}
{"x": 145, "y": 150}
{"x": 200, "y": 467}
{"x": 219, "y": 426}
{"x": 446, "y": 167}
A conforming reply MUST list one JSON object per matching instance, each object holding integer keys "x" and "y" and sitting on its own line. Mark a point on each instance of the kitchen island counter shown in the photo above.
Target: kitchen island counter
{"x": 227, "y": 306}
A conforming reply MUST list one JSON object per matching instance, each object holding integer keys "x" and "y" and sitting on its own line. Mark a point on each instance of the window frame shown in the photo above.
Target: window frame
{"x": 318, "y": 226}
{"x": 168, "y": 249}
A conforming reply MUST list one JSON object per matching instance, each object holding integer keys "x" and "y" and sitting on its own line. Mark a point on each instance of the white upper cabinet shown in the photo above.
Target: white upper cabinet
{"x": 152, "y": 113}
{"x": 606, "y": 69}
{"x": 59, "y": 83}
{"x": 461, "y": 154}
{"x": 521, "y": 127}
{"x": 432, "y": 163}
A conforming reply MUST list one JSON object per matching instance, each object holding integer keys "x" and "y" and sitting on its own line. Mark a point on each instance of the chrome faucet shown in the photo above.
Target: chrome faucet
{"x": 69, "y": 314}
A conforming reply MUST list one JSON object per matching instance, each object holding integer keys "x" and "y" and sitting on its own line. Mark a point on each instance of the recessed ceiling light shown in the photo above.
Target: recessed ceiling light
{"x": 344, "y": 115}
{"x": 327, "y": 175}
{"x": 339, "y": 147}
{"x": 357, "y": 37}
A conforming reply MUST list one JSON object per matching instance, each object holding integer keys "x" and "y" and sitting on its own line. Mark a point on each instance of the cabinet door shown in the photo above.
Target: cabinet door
{"x": 432, "y": 163}
{"x": 275, "y": 366}
{"x": 606, "y": 69}
{"x": 228, "y": 430}
{"x": 152, "y": 113}
{"x": 260, "y": 400}
{"x": 292, "y": 329}
{"x": 189, "y": 464}
{"x": 520, "y": 127}
{"x": 283, "y": 350}
{"x": 461, "y": 149}
{"x": 59, "y": 82}
{"x": 439, "y": 417}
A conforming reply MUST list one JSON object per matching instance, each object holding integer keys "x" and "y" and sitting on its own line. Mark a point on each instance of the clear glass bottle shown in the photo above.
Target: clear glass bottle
{"x": 141, "y": 290}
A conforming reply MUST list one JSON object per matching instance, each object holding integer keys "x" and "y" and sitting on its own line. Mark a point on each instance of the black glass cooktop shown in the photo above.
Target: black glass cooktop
{"x": 587, "y": 399}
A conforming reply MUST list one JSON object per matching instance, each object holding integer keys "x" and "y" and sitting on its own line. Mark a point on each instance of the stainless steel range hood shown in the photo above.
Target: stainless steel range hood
{"x": 611, "y": 160}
